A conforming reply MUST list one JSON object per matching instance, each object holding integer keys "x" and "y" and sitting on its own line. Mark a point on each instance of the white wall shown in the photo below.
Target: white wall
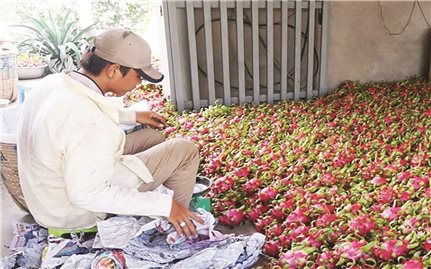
{"x": 360, "y": 48}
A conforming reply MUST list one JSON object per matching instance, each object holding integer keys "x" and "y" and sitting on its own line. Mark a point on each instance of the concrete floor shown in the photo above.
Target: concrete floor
{"x": 10, "y": 213}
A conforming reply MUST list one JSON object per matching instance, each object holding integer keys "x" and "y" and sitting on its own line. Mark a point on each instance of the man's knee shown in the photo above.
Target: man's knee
{"x": 186, "y": 147}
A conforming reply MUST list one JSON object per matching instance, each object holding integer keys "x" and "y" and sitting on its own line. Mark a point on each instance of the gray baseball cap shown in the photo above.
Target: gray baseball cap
{"x": 126, "y": 48}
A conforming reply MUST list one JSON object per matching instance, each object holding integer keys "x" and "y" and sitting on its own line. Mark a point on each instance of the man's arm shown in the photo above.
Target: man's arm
{"x": 151, "y": 118}
{"x": 88, "y": 166}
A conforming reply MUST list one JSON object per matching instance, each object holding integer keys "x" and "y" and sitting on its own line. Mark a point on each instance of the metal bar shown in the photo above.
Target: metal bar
{"x": 169, "y": 51}
{"x": 310, "y": 56}
{"x": 193, "y": 54}
{"x": 240, "y": 42}
{"x": 284, "y": 51}
{"x": 248, "y": 99}
{"x": 270, "y": 50}
{"x": 225, "y": 52}
{"x": 255, "y": 41}
{"x": 297, "y": 82}
{"x": 323, "y": 49}
{"x": 209, "y": 52}
{"x": 179, "y": 73}
{"x": 246, "y": 4}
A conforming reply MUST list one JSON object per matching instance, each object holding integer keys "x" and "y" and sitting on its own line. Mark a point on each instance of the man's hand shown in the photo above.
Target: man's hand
{"x": 181, "y": 218}
{"x": 151, "y": 118}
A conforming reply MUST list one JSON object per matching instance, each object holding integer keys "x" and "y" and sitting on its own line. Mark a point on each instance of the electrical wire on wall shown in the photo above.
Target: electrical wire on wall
{"x": 290, "y": 74}
{"x": 409, "y": 19}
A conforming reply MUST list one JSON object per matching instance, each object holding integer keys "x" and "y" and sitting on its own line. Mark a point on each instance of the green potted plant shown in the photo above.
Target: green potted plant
{"x": 60, "y": 44}
{"x": 30, "y": 65}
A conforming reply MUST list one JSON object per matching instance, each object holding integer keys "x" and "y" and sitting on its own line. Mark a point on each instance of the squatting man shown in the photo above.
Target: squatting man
{"x": 76, "y": 165}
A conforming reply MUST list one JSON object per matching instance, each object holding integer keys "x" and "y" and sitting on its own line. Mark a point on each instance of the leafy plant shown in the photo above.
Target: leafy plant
{"x": 59, "y": 43}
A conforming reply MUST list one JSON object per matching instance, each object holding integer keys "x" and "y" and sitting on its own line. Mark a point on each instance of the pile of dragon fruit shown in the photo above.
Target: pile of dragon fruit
{"x": 341, "y": 181}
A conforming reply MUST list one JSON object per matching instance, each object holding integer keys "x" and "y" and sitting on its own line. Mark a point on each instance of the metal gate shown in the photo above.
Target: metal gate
{"x": 234, "y": 52}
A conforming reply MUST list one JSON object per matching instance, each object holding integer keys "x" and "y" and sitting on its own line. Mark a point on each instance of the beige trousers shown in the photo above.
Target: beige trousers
{"x": 173, "y": 162}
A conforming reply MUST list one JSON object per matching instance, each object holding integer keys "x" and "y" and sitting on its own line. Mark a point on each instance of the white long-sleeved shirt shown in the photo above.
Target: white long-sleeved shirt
{"x": 70, "y": 161}
{"x": 125, "y": 116}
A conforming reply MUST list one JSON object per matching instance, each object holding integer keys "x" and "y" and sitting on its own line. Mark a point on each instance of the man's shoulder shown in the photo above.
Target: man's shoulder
{"x": 51, "y": 78}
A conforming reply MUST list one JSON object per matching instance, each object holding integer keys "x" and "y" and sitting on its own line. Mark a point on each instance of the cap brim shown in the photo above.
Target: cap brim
{"x": 150, "y": 74}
